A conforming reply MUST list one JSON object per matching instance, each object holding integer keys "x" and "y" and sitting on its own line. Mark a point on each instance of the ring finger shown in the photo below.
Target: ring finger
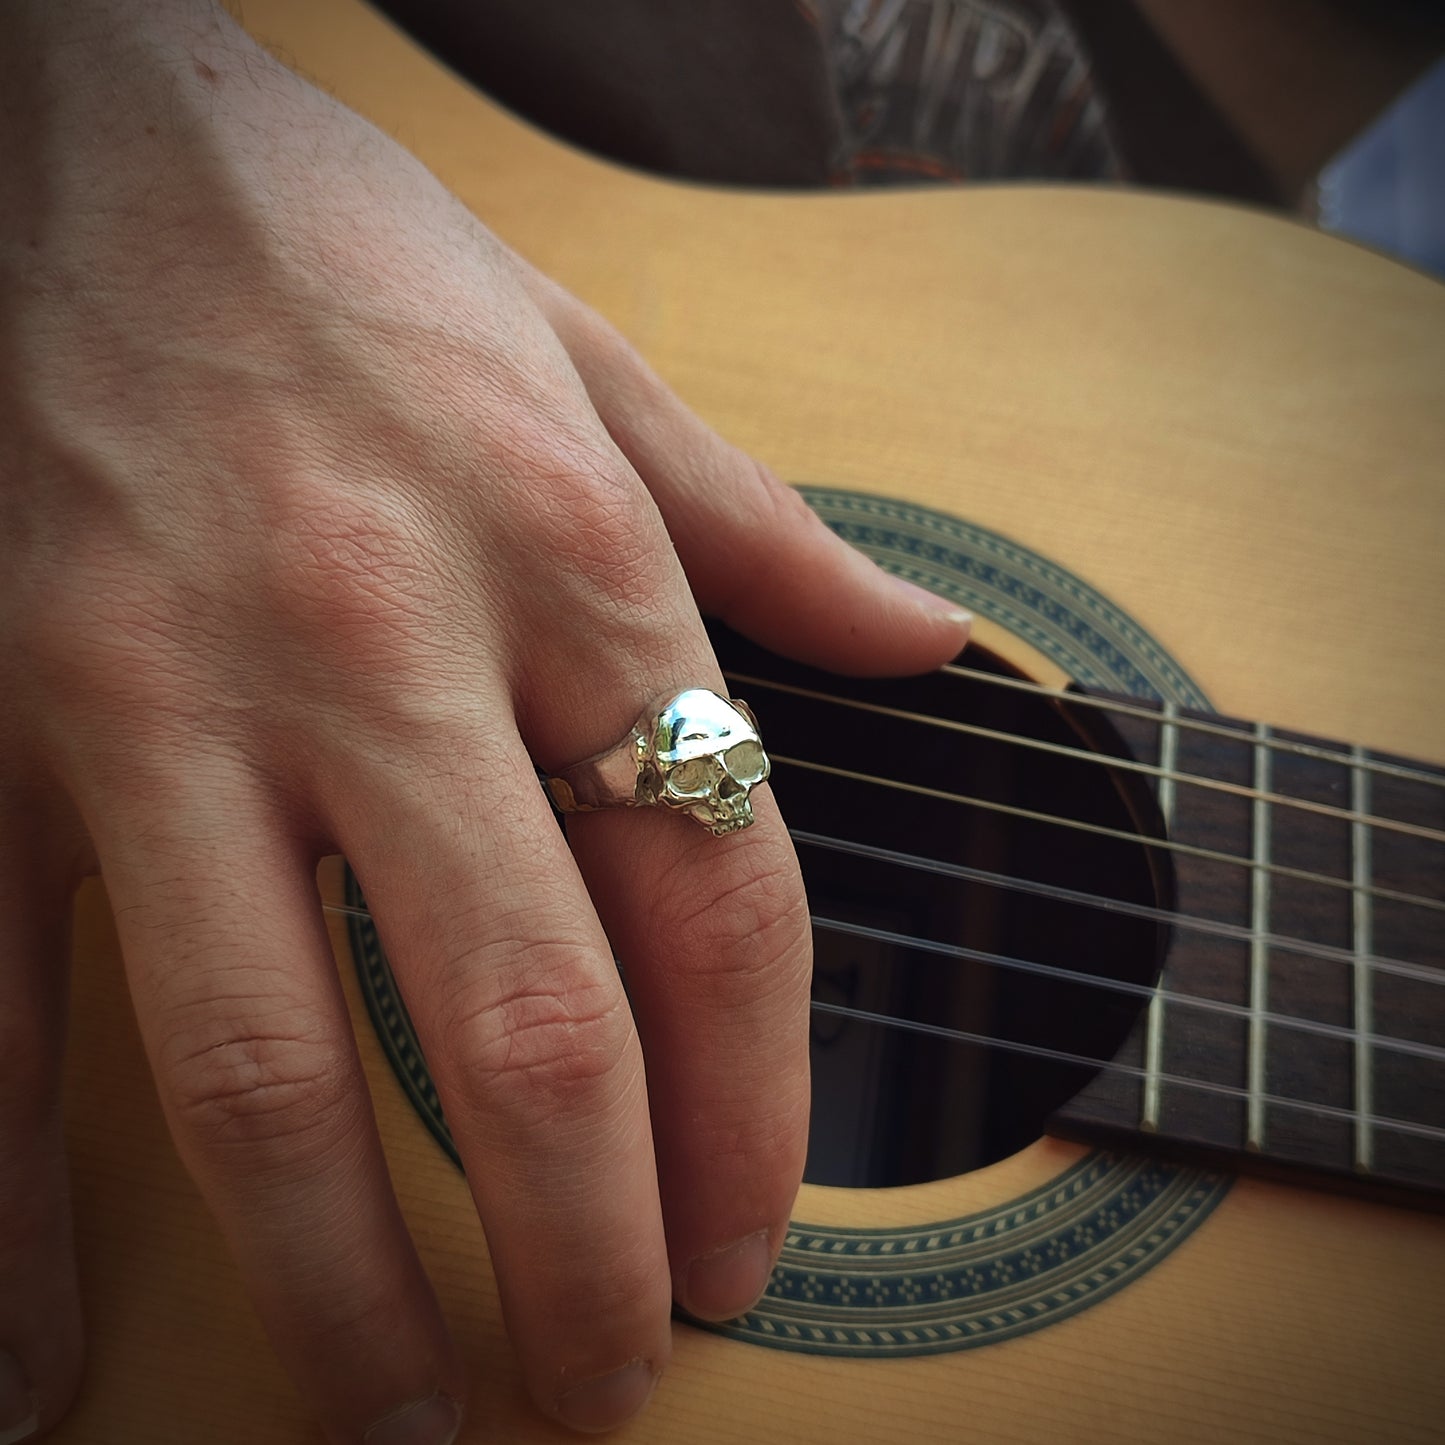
{"x": 516, "y": 999}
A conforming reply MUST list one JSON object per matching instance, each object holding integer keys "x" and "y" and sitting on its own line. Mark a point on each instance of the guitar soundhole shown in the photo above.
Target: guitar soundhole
{"x": 978, "y": 1073}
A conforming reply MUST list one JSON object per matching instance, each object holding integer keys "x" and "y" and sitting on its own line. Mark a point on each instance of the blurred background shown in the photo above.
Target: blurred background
{"x": 1387, "y": 188}
{"x": 1332, "y": 110}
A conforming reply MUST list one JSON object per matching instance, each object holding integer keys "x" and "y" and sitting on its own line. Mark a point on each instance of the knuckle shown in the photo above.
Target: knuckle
{"x": 769, "y": 515}
{"x": 117, "y": 644}
{"x": 590, "y": 340}
{"x": 600, "y": 350}
{"x": 608, "y": 537}
{"x": 555, "y": 1031}
{"x": 751, "y": 926}
{"x": 252, "y": 1086}
{"x": 123, "y": 654}
{"x": 779, "y": 504}
{"x": 353, "y": 572}
{"x": 581, "y": 514}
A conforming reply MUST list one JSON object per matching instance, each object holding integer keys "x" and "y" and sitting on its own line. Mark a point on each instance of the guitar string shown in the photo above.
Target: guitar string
{"x": 1149, "y": 713}
{"x": 1237, "y": 932}
{"x": 1411, "y": 1047}
{"x": 1233, "y": 1091}
{"x": 1087, "y": 755}
{"x": 1168, "y": 845}
{"x": 1408, "y": 1047}
{"x": 962, "y": 952}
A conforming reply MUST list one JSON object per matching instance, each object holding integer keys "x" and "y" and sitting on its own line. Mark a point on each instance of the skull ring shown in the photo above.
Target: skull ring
{"x": 698, "y": 754}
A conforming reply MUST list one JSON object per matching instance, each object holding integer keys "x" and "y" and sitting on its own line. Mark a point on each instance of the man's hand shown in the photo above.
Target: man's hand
{"x": 322, "y": 517}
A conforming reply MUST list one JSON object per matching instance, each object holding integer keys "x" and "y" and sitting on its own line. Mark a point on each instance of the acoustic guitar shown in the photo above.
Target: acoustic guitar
{"x": 1115, "y": 993}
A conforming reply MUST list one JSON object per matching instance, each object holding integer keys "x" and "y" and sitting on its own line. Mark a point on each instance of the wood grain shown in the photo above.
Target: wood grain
{"x": 1229, "y": 424}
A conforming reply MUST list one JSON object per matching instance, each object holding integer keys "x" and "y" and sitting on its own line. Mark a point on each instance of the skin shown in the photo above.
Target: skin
{"x": 323, "y": 517}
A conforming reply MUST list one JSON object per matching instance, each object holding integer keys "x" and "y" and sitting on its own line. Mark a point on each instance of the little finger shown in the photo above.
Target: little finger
{"x": 248, "y": 1035}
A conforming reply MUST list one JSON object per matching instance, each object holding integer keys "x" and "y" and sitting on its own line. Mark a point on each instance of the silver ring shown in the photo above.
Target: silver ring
{"x": 695, "y": 753}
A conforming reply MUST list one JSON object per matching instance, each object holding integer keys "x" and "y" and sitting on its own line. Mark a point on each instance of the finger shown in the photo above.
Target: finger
{"x": 249, "y": 1039}
{"x": 40, "y": 1325}
{"x": 529, "y": 1040}
{"x": 714, "y": 936}
{"x": 755, "y": 553}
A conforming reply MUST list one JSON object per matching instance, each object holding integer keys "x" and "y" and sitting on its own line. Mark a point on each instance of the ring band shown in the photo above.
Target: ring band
{"x": 697, "y": 753}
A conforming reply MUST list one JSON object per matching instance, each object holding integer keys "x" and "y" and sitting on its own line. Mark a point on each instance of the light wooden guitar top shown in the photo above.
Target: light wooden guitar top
{"x": 1232, "y": 426}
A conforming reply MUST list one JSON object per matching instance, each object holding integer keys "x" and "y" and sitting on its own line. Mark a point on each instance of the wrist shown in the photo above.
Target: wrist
{"x": 96, "y": 97}
{"x": 44, "y": 24}
{"x": 59, "y": 59}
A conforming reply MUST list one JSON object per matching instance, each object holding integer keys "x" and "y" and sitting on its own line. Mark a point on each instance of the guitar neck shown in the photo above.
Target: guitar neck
{"x": 1296, "y": 1027}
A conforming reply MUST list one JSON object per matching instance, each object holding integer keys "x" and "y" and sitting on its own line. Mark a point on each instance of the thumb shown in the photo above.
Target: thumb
{"x": 754, "y": 552}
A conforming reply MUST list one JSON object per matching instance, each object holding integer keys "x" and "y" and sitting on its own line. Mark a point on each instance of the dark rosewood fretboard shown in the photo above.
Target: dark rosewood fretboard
{"x": 1324, "y": 944}
{"x": 1107, "y": 919}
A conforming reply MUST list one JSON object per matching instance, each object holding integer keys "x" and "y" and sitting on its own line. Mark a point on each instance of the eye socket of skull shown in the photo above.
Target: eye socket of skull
{"x": 693, "y": 776}
{"x": 746, "y": 761}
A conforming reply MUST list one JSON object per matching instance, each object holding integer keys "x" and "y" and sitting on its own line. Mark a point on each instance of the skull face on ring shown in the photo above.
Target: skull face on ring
{"x": 704, "y": 757}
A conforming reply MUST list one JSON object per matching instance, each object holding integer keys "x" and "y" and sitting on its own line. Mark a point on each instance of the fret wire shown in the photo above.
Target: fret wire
{"x": 1232, "y": 1091}
{"x": 1258, "y": 953}
{"x": 962, "y": 952}
{"x": 1362, "y": 865}
{"x": 1235, "y": 931}
{"x": 1198, "y": 725}
{"x": 1088, "y": 755}
{"x": 1078, "y": 825}
{"x": 1154, "y": 1019}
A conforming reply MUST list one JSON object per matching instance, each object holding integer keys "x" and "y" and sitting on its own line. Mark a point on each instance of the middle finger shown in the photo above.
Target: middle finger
{"x": 714, "y": 939}
{"x": 514, "y": 994}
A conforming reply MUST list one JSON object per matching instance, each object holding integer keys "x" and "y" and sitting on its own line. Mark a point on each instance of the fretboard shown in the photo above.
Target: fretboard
{"x": 1299, "y": 1022}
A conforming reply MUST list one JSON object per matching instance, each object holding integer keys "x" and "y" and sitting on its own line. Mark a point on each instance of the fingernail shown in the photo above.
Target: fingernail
{"x": 932, "y": 600}
{"x": 726, "y": 1283}
{"x": 433, "y": 1421}
{"x": 607, "y": 1401}
{"x": 19, "y": 1419}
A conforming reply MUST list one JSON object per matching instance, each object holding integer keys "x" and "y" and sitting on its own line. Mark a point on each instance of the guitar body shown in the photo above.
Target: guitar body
{"x": 1230, "y": 426}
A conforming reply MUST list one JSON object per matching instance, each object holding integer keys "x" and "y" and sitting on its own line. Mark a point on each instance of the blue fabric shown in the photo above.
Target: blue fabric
{"x": 1387, "y": 188}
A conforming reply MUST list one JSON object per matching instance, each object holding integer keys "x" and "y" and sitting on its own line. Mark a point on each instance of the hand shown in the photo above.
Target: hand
{"x": 323, "y": 517}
